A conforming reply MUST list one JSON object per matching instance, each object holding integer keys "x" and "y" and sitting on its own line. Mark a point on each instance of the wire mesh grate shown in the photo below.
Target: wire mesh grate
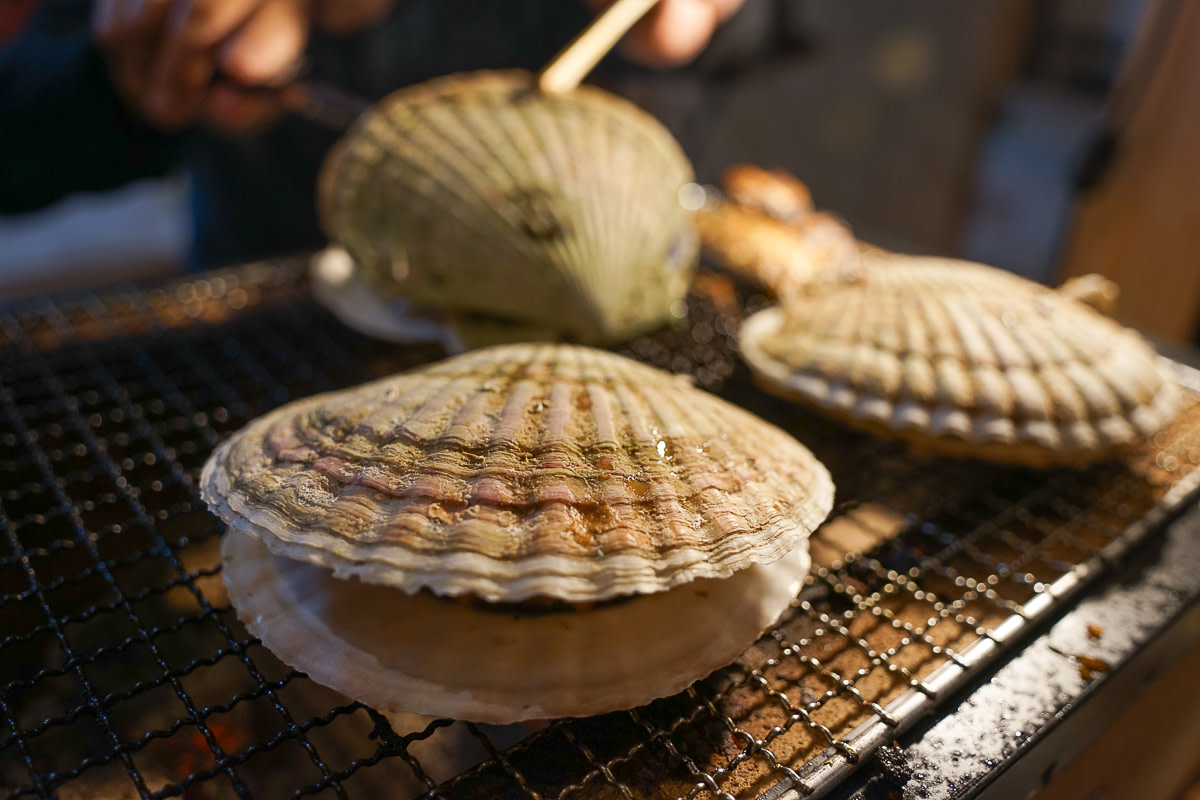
{"x": 125, "y": 673}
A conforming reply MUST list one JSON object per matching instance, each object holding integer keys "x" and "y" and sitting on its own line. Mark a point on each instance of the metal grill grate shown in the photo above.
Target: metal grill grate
{"x": 123, "y": 671}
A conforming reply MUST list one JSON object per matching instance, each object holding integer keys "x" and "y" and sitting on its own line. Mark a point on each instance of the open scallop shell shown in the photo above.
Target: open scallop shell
{"x": 474, "y": 193}
{"x": 519, "y": 471}
{"x": 965, "y": 360}
{"x": 420, "y": 653}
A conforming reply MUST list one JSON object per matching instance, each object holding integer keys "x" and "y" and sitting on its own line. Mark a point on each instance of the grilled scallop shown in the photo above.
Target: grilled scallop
{"x": 551, "y": 487}
{"x": 476, "y": 195}
{"x": 964, "y": 359}
{"x": 765, "y": 230}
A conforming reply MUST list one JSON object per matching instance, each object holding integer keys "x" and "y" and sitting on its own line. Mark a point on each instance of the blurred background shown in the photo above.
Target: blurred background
{"x": 1049, "y": 138}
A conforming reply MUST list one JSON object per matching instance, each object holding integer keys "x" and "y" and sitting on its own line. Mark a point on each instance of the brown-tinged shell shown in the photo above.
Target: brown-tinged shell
{"x": 518, "y": 471}
{"x": 420, "y": 653}
{"x": 966, "y": 360}
{"x": 776, "y": 193}
{"x": 765, "y": 230}
{"x": 476, "y": 194}
{"x": 786, "y": 259}
{"x": 1093, "y": 290}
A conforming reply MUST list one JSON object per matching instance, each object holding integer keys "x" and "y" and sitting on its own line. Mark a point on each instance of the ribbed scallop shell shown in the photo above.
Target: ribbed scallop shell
{"x": 420, "y": 653}
{"x": 967, "y": 359}
{"x": 476, "y": 193}
{"x": 521, "y": 470}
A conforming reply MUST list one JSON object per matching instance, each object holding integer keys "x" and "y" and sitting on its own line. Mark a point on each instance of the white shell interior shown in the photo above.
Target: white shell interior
{"x": 418, "y": 653}
{"x": 337, "y": 285}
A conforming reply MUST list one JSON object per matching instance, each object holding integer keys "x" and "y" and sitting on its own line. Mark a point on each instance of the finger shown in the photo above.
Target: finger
{"x": 674, "y": 32}
{"x": 178, "y": 84}
{"x": 179, "y": 101}
{"x": 129, "y": 33}
{"x": 192, "y": 29}
{"x": 184, "y": 64}
{"x": 203, "y": 23}
{"x": 234, "y": 110}
{"x": 266, "y": 49}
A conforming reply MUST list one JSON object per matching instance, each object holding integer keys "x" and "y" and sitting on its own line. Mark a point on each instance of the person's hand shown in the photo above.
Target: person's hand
{"x": 180, "y": 61}
{"x": 675, "y": 31}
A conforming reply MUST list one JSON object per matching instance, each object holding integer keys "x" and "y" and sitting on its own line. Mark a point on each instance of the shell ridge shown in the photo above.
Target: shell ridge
{"x": 567, "y": 476}
{"x": 540, "y": 128}
{"x": 432, "y": 146}
{"x": 537, "y": 128}
{"x": 467, "y": 164}
{"x": 380, "y": 265}
{"x": 433, "y": 162}
{"x": 574, "y": 577}
{"x": 496, "y": 135}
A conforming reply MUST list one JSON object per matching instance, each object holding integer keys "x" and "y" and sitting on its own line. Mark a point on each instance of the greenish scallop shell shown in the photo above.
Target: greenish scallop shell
{"x": 477, "y": 195}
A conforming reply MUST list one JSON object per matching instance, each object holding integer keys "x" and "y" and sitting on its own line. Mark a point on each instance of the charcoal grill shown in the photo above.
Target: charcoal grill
{"x": 124, "y": 672}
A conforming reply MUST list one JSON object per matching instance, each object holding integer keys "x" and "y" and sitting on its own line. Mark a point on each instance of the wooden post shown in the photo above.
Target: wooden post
{"x": 1140, "y": 225}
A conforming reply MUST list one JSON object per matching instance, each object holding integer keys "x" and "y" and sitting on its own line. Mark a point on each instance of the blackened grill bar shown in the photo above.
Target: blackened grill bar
{"x": 124, "y": 670}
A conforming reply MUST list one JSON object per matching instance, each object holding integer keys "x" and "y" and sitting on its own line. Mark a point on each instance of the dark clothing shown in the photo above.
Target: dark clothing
{"x": 63, "y": 128}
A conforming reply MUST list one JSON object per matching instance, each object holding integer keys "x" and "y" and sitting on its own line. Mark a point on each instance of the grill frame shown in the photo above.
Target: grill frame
{"x": 36, "y": 333}
{"x": 824, "y": 774}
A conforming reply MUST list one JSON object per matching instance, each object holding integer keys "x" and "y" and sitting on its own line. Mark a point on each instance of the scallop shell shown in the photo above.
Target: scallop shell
{"x": 337, "y": 285}
{"x": 786, "y": 259}
{"x": 767, "y": 232}
{"x": 776, "y": 193}
{"x": 476, "y": 194}
{"x": 420, "y": 653}
{"x": 966, "y": 360}
{"x": 520, "y": 471}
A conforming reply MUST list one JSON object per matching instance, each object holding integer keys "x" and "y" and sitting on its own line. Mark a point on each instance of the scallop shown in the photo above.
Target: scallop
{"x": 476, "y": 195}
{"x": 970, "y": 361}
{"x": 766, "y": 231}
{"x": 550, "y": 511}
{"x": 775, "y": 192}
{"x": 521, "y": 471}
